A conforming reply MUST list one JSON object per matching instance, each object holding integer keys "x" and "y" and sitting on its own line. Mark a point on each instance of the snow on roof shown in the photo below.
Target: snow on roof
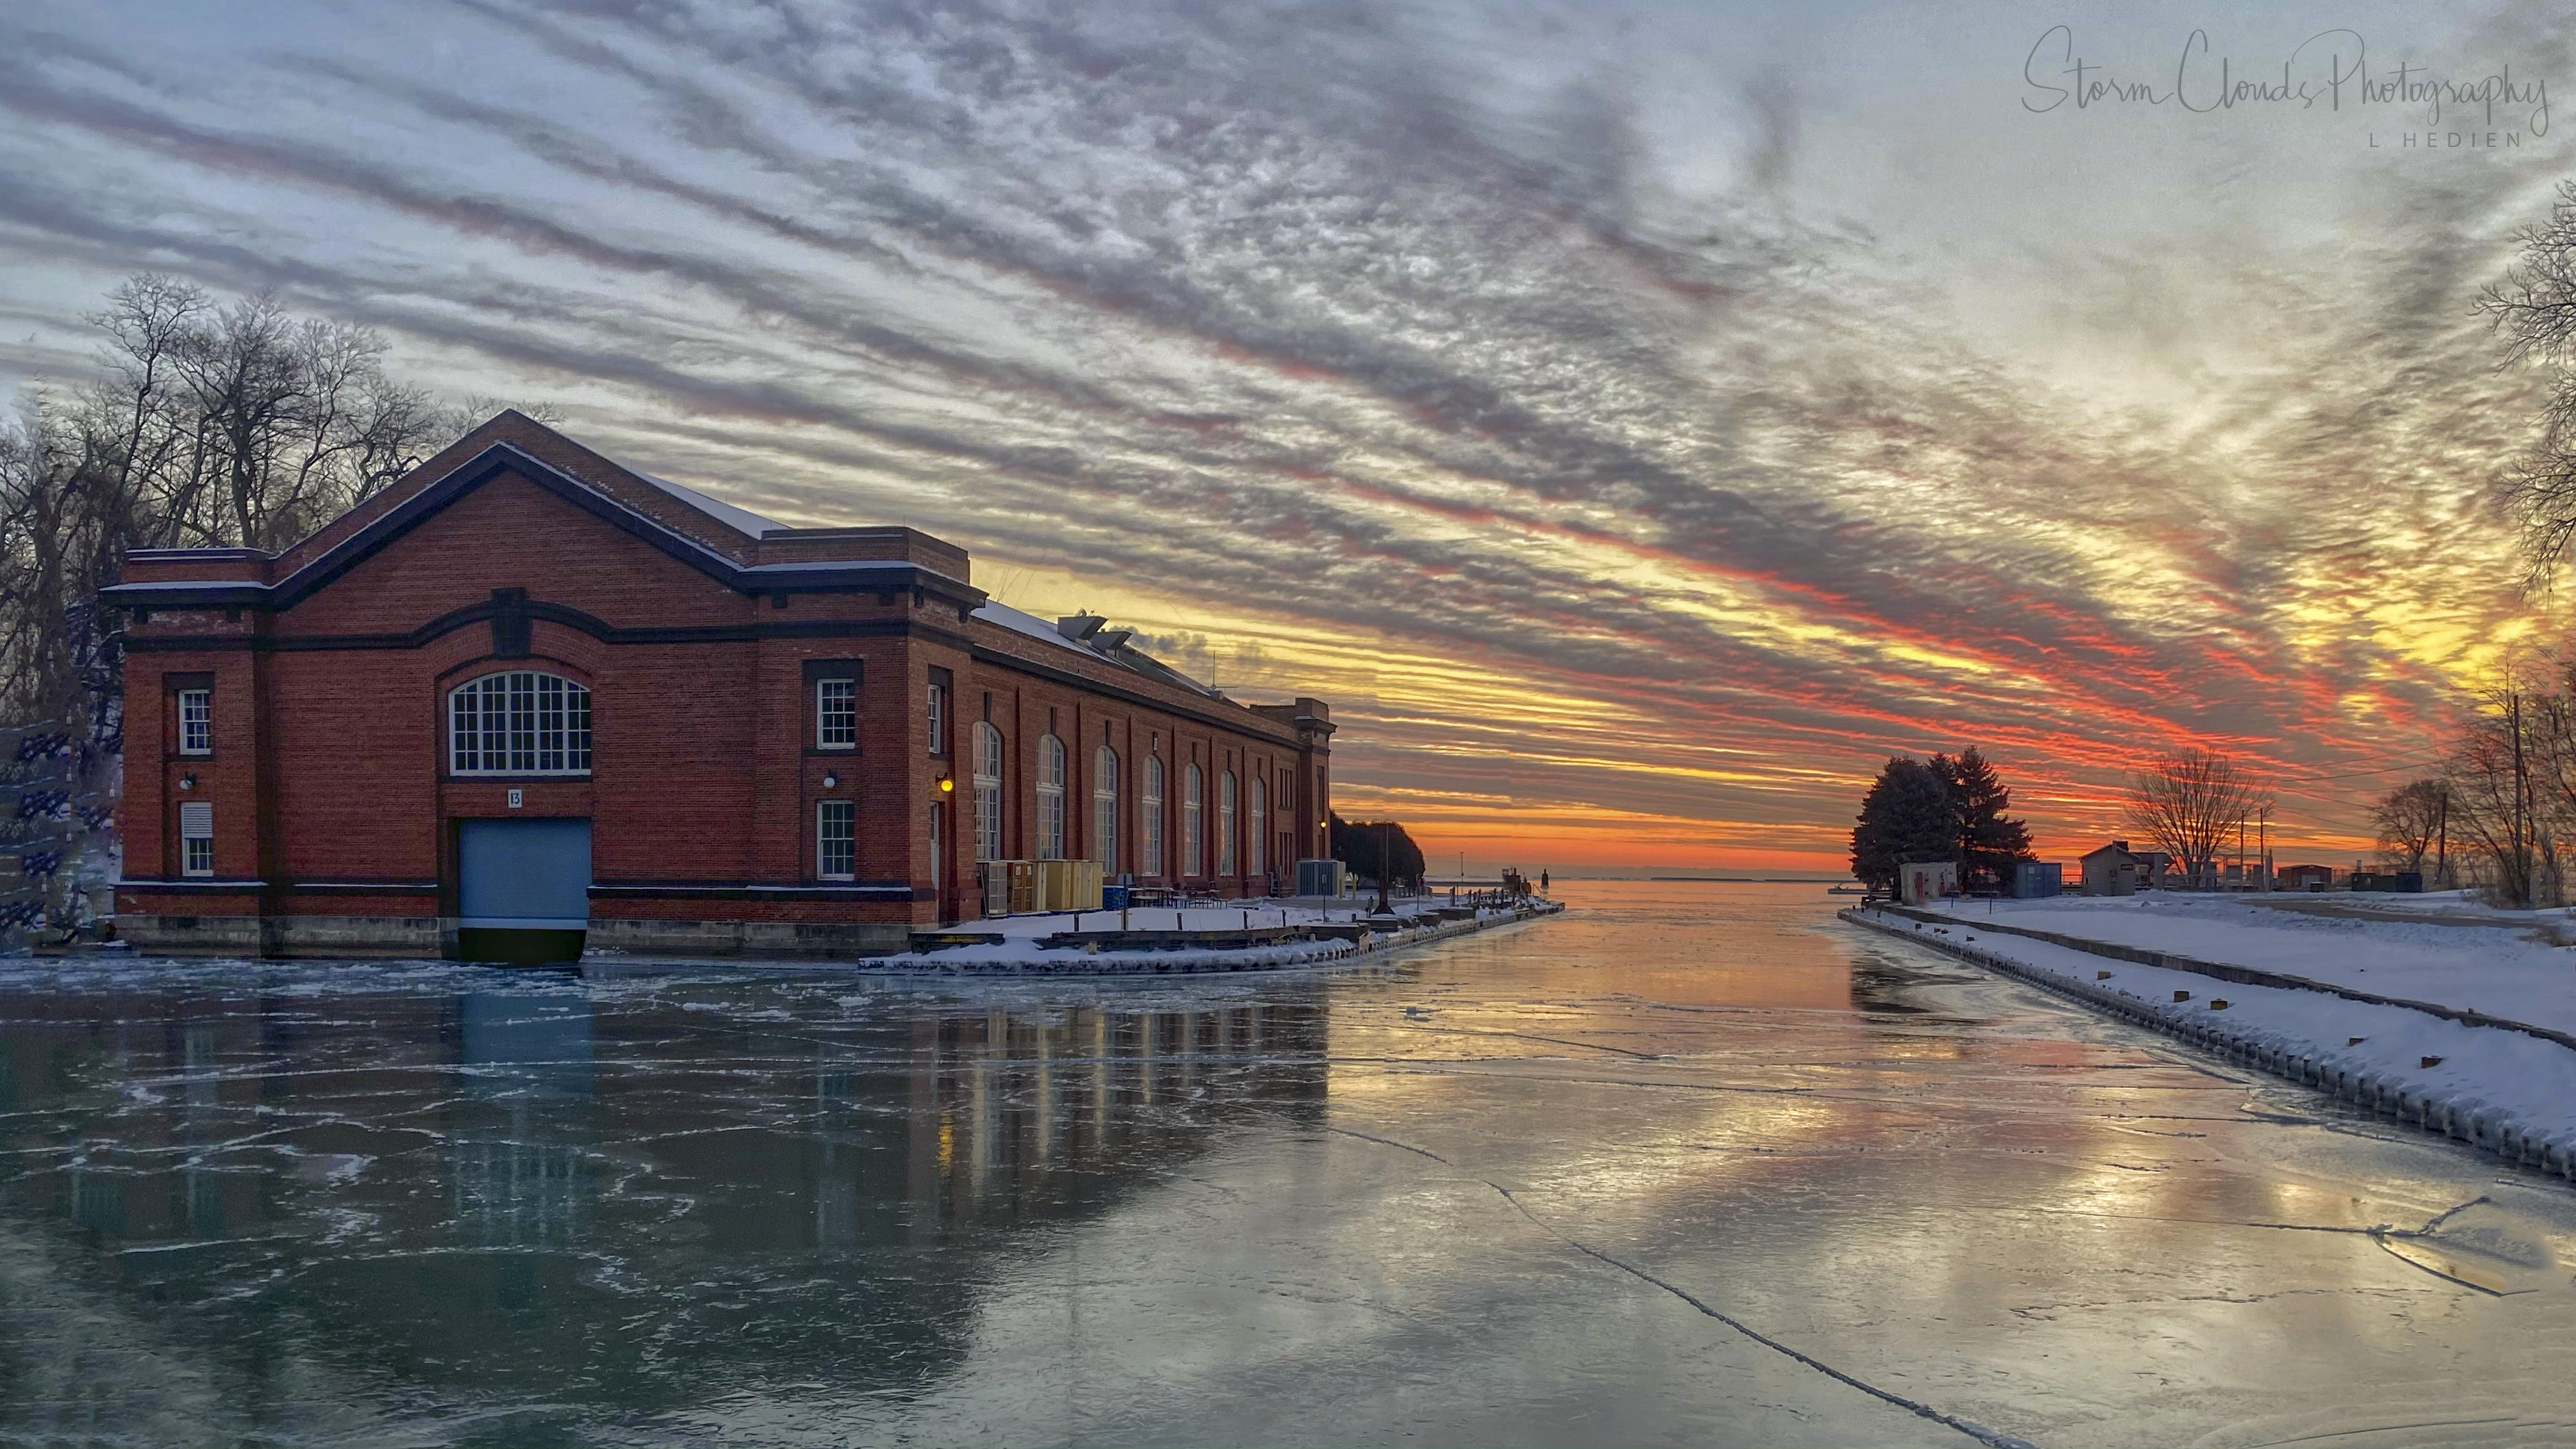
{"x": 997, "y": 612}
{"x": 1037, "y": 628}
{"x": 740, "y": 520}
{"x": 836, "y": 565}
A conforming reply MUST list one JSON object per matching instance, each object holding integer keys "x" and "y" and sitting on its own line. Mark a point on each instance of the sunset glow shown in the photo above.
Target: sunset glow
{"x": 1549, "y": 395}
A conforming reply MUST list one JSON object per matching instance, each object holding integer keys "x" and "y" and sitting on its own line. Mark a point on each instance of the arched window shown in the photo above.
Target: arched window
{"x": 1050, "y": 798}
{"x": 518, "y": 723}
{"x": 1104, "y": 809}
{"x": 988, "y": 792}
{"x": 1193, "y": 827}
{"x": 1225, "y": 822}
{"x": 1257, "y": 842}
{"x": 1149, "y": 815}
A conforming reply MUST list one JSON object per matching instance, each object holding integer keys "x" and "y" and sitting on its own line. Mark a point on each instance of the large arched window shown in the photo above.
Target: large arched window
{"x": 1104, "y": 809}
{"x": 988, "y": 792}
{"x": 1193, "y": 825}
{"x": 1257, "y": 842}
{"x": 1225, "y": 822}
{"x": 520, "y": 722}
{"x": 1149, "y": 816}
{"x": 1050, "y": 798}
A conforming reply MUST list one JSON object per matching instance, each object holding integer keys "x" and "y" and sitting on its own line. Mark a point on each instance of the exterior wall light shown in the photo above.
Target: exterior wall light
{"x": 831, "y": 781}
{"x": 946, "y": 784}
{"x": 187, "y": 782}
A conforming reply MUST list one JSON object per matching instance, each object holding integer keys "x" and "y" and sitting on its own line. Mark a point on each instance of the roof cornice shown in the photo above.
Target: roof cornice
{"x": 852, "y": 575}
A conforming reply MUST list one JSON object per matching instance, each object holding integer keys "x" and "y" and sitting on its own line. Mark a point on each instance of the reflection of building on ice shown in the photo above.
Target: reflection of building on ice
{"x": 1046, "y": 1112}
{"x": 523, "y": 1147}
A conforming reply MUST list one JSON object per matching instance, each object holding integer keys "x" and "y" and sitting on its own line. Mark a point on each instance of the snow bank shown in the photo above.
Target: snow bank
{"x": 2503, "y": 966}
{"x": 2503, "y": 1090}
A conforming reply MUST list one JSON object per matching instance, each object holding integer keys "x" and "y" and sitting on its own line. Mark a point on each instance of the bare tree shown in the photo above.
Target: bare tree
{"x": 2410, "y": 820}
{"x": 2191, "y": 803}
{"x": 2534, "y": 310}
{"x": 2496, "y": 798}
{"x": 206, "y": 425}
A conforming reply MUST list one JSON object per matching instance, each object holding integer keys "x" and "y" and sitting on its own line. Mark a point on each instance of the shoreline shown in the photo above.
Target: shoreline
{"x": 2508, "y": 1118}
{"x": 1025, "y": 957}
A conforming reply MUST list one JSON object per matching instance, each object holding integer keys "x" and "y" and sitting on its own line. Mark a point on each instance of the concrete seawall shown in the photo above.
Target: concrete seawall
{"x": 1285, "y": 956}
{"x": 2388, "y": 1094}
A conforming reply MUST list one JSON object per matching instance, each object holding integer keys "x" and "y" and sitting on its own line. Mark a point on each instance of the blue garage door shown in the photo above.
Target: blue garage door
{"x": 524, "y": 875}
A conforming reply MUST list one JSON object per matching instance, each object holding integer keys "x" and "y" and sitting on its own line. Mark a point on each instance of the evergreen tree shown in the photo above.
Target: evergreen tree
{"x": 1355, "y": 844}
{"x": 1905, "y": 817}
{"x": 1989, "y": 842}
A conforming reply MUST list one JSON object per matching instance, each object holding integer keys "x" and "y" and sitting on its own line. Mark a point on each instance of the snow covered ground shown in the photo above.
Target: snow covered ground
{"x": 2509, "y": 971}
{"x": 2522, "y": 1087}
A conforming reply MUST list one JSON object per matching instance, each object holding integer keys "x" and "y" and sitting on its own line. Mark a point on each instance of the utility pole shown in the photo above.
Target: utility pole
{"x": 1384, "y": 854}
{"x": 2265, "y": 846}
{"x": 2442, "y": 860}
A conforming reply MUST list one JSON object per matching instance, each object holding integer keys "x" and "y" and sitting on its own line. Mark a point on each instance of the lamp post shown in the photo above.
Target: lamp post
{"x": 1383, "y": 827}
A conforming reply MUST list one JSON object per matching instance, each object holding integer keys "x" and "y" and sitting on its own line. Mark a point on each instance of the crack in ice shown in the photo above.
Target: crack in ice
{"x": 1974, "y": 1430}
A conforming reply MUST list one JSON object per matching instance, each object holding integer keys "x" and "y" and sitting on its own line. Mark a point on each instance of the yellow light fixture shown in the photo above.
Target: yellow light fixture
{"x": 946, "y": 784}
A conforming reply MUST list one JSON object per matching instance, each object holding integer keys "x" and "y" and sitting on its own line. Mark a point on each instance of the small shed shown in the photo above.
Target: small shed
{"x": 2116, "y": 870}
{"x": 1921, "y": 881}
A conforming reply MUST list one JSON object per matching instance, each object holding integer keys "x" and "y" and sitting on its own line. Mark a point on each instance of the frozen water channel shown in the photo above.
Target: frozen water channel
{"x": 1544, "y": 1185}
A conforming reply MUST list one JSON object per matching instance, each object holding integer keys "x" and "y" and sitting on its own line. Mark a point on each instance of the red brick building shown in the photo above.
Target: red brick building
{"x": 524, "y": 662}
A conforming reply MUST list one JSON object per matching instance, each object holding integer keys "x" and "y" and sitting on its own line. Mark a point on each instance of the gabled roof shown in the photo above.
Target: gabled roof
{"x": 712, "y": 537}
{"x": 718, "y": 539}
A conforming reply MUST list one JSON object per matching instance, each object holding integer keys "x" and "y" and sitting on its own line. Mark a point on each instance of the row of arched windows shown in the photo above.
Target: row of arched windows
{"x": 1106, "y": 783}
{"x": 520, "y": 722}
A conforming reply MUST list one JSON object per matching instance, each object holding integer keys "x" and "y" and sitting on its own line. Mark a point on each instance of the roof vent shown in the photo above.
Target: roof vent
{"x": 1113, "y": 639}
{"x": 1079, "y": 626}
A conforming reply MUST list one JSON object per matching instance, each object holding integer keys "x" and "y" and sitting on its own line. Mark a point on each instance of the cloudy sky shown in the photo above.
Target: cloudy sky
{"x": 1638, "y": 420}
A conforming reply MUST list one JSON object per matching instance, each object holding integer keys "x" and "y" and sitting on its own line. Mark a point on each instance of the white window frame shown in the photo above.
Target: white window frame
{"x": 836, "y": 714}
{"x": 938, "y": 852}
{"x": 845, "y": 815}
{"x": 196, "y": 721}
{"x": 988, "y": 791}
{"x": 1050, "y": 798}
{"x": 536, "y": 738}
{"x": 938, "y": 718}
{"x": 1104, "y": 809}
{"x": 196, "y": 838}
{"x": 1193, "y": 821}
{"x": 1225, "y": 822}
{"x": 1256, "y": 843}
{"x": 1149, "y": 819}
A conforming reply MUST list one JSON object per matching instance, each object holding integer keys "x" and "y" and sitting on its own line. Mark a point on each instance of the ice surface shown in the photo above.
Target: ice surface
{"x": 1492, "y": 1191}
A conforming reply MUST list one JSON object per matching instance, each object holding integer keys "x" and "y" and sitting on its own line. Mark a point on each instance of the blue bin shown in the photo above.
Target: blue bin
{"x": 1113, "y": 898}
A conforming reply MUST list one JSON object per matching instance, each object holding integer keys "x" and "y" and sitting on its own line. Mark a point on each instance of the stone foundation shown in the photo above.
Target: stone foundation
{"x": 751, "y": 938}
{"x": 432, "y": 937}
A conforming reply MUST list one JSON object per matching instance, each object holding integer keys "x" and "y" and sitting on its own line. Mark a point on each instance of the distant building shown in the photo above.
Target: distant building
{"x": 1922, "y": 881}
{"x": 2306, "y": 877}
{"x": 2116, "y": 870}
{"x": 2037, "y": 879}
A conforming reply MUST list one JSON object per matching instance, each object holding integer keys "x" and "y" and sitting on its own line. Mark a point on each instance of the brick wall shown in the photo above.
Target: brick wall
{"x": 328, "y": 769}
